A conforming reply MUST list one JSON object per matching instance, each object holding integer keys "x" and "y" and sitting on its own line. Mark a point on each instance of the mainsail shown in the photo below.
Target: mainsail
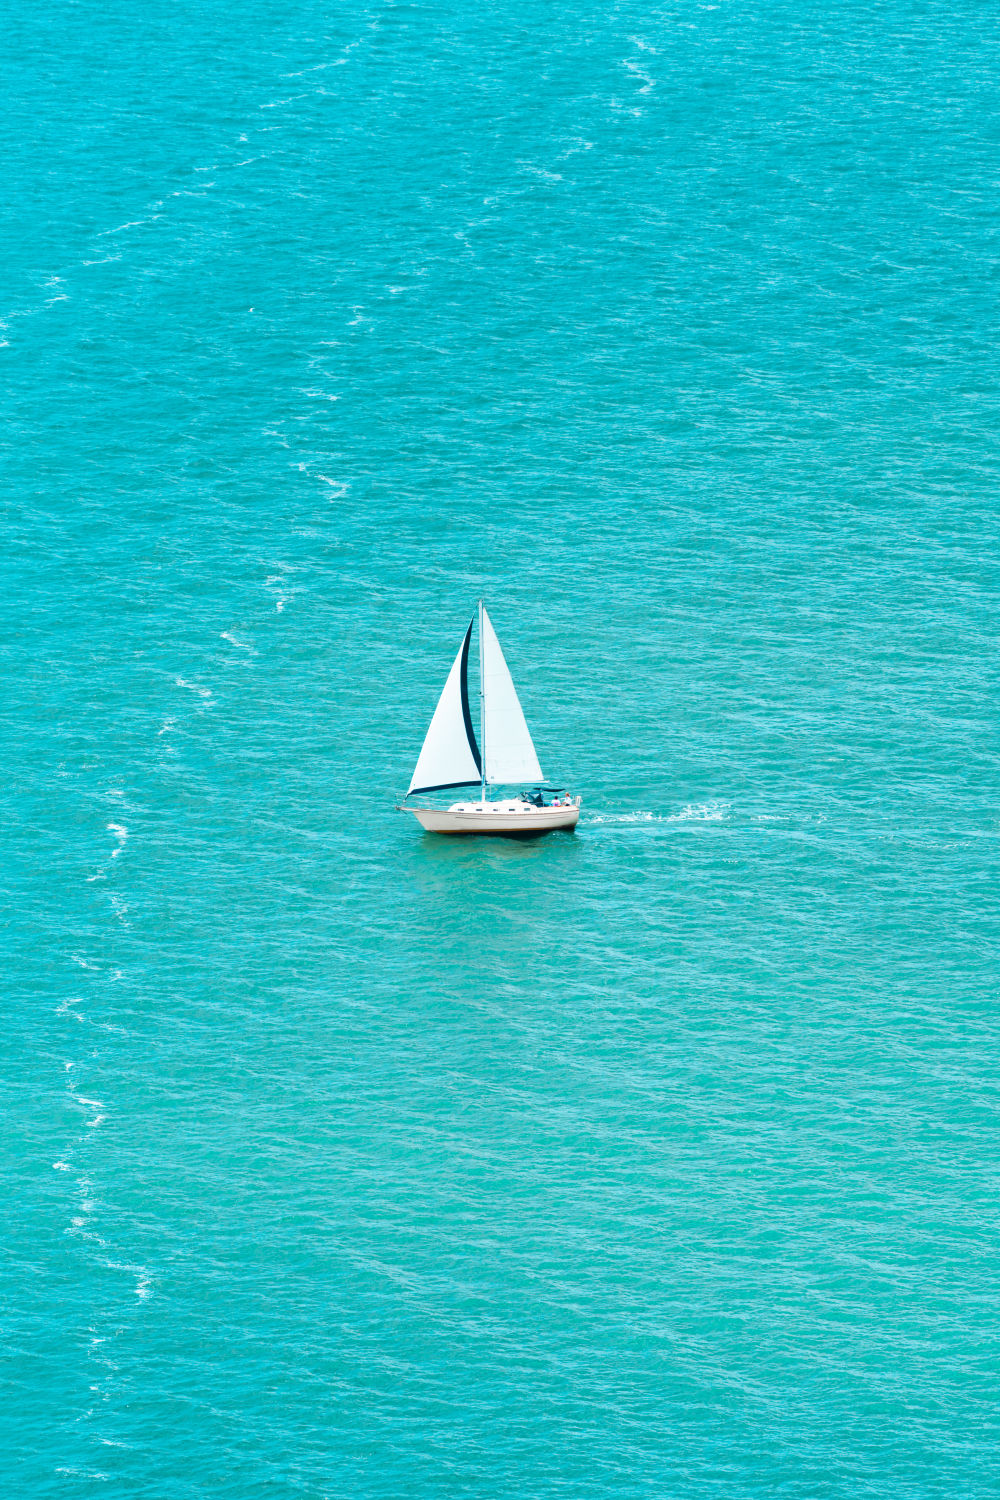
{"x": 510, "y": 754}
{"x": 450, "y": 755}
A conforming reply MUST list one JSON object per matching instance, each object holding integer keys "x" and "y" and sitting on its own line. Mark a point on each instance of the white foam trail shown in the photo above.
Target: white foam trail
{"x": 193, "y": 687}
{"x": 339, "y": 486}
{"x": 533, "y": 171}
{"x": 204, "y": 693}
{"x": 121, "y": 834}
{"x": 648, "y": 83}
{"x": 702, "y": 812}
{"x": 144, "y": 1277}
{"x": 276, "y": 580}
{"x": 337, "y": 62}
{"x": 132, "y": 224}
{"x": 632, "y": 817}
{"x": 99, "y": 1118}
{"x": 234, "y": 640}
{"x": 579, "y": 144}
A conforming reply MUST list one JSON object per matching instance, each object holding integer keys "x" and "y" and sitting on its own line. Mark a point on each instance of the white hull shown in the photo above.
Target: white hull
{"x": 495, "y": 817}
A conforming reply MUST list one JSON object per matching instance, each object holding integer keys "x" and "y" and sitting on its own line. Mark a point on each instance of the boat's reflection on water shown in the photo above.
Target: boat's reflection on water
{"x": 473, "y": 864}
{"x": 488, "y": 901}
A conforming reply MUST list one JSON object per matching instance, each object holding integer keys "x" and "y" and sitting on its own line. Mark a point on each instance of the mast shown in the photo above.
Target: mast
{"x": 482, "y": 704}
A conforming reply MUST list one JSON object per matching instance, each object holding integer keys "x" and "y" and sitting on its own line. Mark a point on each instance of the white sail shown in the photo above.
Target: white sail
{"x": 450, "y": 755}
{"x": 510, "y": 755}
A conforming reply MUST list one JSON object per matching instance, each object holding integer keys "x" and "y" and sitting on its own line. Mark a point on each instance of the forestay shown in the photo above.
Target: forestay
{"x": 510, "y": 754}
{"x": 450, "y": 755}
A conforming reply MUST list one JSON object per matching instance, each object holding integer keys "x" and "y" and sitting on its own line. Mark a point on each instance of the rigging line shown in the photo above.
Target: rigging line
{"x": 482, "y": 700}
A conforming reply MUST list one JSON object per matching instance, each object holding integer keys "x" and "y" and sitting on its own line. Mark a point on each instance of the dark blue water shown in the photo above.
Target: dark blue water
{"x": 656, "y": 1161}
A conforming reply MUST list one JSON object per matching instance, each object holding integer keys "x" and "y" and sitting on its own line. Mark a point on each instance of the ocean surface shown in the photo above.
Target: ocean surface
{"x": 662, "y": 1160}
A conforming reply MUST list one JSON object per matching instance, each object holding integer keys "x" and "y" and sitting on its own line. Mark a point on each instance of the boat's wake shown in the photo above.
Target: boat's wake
{"x": 632, "y": 817}
{"x": 702, "y": 812}
{"x": 699, "y": 812}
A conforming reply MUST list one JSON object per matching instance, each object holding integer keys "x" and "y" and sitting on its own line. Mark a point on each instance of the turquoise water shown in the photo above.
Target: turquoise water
{"x": 661, "y": 1160}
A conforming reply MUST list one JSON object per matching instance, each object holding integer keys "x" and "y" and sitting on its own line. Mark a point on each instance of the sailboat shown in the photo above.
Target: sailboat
{"x": 503, "y": 755}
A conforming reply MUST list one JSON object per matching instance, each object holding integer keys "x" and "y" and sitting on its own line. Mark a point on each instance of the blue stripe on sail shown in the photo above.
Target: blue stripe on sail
{"x": 466, "y": 715}
{"x": 443, "y": 786}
